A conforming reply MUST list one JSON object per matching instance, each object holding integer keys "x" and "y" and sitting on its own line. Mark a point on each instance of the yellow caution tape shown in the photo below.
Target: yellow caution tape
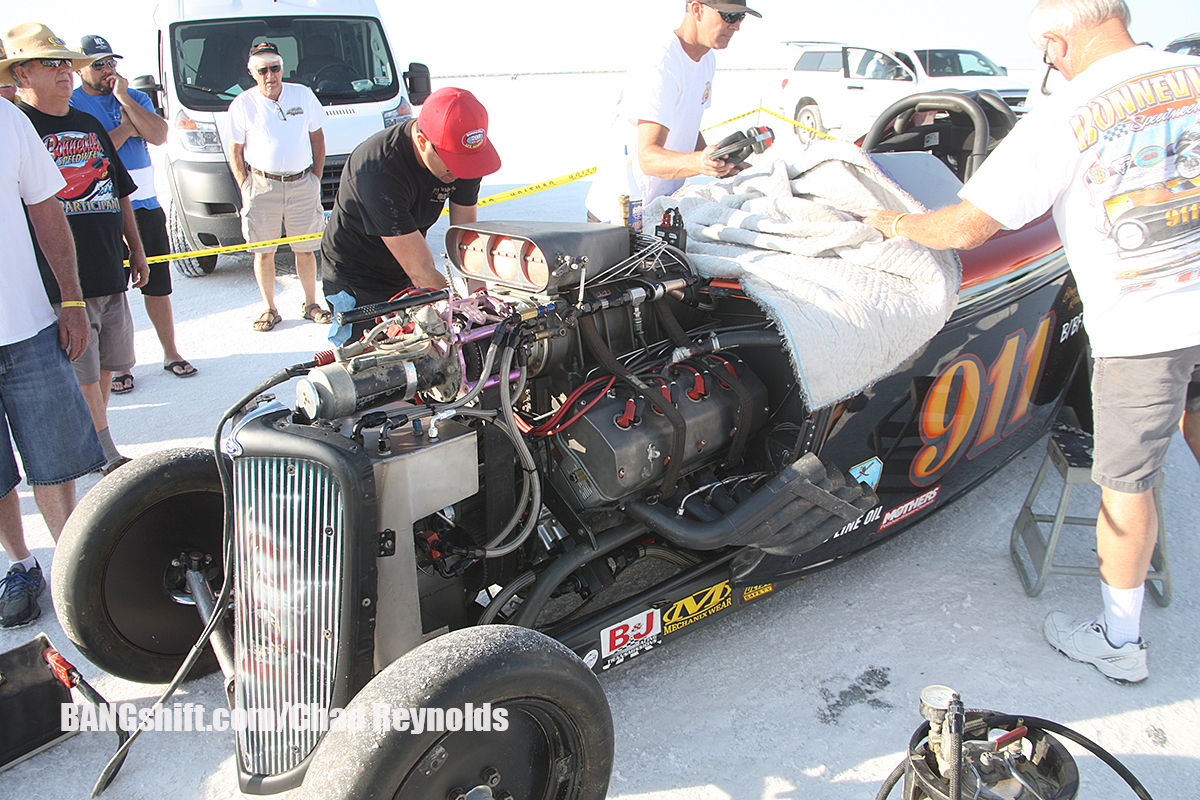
{"x": 233, "y": 248}
{"x": 532, "y": 188}
{"x": 733, "y": 119}
{"x": 795, "y": 124}
{"x": 513, "y": 194}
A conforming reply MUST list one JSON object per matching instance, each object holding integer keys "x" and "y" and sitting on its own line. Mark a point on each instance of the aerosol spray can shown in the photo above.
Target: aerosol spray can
{"x": 631, "y": 199}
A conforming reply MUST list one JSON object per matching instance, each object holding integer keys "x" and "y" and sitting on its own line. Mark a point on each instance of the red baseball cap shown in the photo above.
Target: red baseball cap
{"x": 456, "y": 124}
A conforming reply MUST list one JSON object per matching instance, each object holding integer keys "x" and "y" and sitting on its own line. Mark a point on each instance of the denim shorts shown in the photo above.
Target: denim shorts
{"x": 56, "y": 439}
{"x": 1137, "y": 403}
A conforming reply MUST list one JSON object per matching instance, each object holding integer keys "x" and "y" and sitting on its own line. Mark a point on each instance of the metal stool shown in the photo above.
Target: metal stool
{"x": 1070, "y": 452}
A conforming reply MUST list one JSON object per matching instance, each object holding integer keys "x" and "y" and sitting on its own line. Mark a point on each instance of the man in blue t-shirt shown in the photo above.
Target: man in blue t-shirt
{"x": 131, "y": 122}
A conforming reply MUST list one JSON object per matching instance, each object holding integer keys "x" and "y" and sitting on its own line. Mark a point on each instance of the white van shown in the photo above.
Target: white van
{"x": 338, "y": 48}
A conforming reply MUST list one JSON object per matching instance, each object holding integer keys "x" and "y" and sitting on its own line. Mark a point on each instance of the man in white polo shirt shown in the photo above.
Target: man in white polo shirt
{"x": 277, "y": 154}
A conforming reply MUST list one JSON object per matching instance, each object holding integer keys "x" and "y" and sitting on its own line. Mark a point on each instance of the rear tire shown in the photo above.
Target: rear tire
{"x": 808, "y": 115}
{"x": 192, "y": 267}
{"x": 557, "y": 744}
{"x": 110, "y": 582}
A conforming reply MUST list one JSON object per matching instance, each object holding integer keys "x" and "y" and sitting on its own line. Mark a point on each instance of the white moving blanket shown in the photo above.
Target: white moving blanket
{"x": 852, "y": 306}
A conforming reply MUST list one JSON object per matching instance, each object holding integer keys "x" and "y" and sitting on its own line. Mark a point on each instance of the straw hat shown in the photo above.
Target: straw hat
{"x": 33, "y": 40}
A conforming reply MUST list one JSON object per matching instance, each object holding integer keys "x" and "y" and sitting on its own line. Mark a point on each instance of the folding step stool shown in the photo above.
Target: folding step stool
{"x": 1070, "y": 452}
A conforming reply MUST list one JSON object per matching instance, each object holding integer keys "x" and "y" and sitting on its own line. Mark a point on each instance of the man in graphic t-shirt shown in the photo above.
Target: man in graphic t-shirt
{"x": 1114, "y": 156}
{"x": 665, "y": 95}
{"x": 393, "y": 189}
{"x": 96, "y": 201}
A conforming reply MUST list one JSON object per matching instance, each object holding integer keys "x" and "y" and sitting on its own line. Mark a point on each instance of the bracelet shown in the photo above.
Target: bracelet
{"x": 73, "y": 304}
{"x": 896, "y": 222}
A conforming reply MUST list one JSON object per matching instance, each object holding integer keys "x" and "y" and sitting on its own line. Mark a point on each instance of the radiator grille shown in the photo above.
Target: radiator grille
{"x": 289, "y": 540}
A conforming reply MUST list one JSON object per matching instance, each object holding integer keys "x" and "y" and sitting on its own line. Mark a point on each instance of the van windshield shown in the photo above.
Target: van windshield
{"x": 342, "y": 59}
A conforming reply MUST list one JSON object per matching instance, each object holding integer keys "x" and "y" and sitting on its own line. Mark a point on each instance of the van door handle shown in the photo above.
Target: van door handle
{"x": 855, "y": 87}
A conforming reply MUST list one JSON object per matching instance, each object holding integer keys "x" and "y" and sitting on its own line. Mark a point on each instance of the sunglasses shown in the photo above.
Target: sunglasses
{"x": 272, "y": 68}
{"x": 108, "y": 63}
{"x": 732, "y": 19}
{"x": 51, "y": 63}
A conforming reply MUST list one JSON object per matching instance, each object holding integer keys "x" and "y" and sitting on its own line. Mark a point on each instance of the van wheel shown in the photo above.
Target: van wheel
{"x": 117, "y": 594}
{"x": 541, "y": 726}
{"x": 194, "y": 267}
{"x": 808, "y": 115}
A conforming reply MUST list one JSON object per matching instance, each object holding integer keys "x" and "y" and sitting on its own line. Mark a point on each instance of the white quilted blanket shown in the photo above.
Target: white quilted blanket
{"x": 853, "y": 306}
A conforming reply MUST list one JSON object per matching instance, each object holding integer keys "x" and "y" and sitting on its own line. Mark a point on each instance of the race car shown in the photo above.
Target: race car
{"x": 82, "y": 179}
{"x": 1154, "y": 214}
{"x": 490, "y": 498}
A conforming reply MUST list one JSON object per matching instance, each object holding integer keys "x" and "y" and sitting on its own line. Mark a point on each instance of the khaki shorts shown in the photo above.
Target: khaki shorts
{"x": 110, "y": 338}
{"x": 1137, "y": 403}
{"x": 273, "y": 209}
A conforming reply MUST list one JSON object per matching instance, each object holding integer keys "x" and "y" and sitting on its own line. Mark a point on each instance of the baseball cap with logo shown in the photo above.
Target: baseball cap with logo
{"x": 32, "y": 40}
{"x": 93, "y": 45}
{"x": 456, "y": 124}
{"x": 264, "y": 49}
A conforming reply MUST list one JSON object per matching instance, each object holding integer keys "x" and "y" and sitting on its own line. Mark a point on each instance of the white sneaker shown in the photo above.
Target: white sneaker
{"x": 1085, "y": 640}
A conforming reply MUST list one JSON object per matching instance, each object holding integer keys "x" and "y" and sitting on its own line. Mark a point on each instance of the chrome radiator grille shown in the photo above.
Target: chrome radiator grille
{"x": 289, "y": 541}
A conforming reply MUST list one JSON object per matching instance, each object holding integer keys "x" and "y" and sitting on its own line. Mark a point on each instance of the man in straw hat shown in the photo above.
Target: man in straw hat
{"x": 96, "y": 201}
{"x": 43, "y": 411}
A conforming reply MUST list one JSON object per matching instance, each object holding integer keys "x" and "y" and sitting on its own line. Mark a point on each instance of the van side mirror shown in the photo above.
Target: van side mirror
{"x": 147, "y": 84}
{"x": 418, "y": 83}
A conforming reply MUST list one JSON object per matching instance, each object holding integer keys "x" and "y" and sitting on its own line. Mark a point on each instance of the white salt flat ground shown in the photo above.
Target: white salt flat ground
{"x": 810, "y": 694}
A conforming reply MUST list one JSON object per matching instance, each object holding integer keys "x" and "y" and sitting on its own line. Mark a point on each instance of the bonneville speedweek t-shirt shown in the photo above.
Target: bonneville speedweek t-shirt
{"x": 1116, "y": 155}
{"x": 96, "y": 182}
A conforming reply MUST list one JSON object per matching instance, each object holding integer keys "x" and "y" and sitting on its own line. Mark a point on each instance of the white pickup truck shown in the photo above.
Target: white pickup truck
{"x": 841, "y": 88}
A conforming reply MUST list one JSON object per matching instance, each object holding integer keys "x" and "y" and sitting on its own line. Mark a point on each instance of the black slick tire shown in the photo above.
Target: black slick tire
{"x": 111, "y": 581}
{"x": 558, "y": 735}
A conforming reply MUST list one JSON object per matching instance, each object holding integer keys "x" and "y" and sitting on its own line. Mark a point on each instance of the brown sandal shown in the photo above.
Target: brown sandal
{"x": 269, "y": 319}
{"x": 319, "y": 315}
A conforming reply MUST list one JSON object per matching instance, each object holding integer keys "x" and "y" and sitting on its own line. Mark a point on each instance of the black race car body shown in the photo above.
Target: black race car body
{"x": 598, "y": 443}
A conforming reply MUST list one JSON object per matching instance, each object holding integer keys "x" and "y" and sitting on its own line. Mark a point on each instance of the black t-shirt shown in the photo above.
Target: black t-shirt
{"x": 385, "y": 191}
{"x": 96, "y": 181}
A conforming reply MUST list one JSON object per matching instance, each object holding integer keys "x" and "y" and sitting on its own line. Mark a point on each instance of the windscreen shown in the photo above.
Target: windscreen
{"x": 952, "y": 63}
{"x": 342, "y": 59}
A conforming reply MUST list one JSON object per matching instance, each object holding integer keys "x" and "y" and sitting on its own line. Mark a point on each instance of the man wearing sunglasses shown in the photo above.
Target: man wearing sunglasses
{"x": 1103, "y": 154}
{"x": 665, "y": 95}
{"x": 393, "y": 190}
{"x": 96, "y": 202}
{"x": 131, "y": 122}
{"x": 277, "y": 154}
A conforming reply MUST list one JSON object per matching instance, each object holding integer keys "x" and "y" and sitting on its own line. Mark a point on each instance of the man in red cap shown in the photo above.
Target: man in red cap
{"x": 393, "y": 189}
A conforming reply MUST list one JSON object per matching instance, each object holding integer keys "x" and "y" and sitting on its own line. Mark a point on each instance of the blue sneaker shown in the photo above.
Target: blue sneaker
{"x": 19, "y": 592}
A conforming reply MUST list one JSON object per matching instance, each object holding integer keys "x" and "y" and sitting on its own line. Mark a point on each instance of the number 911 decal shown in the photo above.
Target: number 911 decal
{"x": 970, "y": 407}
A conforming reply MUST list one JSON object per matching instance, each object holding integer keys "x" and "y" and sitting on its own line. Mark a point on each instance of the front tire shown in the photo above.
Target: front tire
{"x": 808, "y": 115}
{"x": 113, "y": 579}
{"x": 558, "y": 736}
{"x": 192, "y": 267}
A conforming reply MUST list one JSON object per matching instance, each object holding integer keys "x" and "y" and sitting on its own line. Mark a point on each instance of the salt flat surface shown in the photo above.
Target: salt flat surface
{"x": 812, "y": 693}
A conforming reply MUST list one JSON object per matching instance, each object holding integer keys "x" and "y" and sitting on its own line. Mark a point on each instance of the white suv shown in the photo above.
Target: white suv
{"x": 840, "y": 88}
